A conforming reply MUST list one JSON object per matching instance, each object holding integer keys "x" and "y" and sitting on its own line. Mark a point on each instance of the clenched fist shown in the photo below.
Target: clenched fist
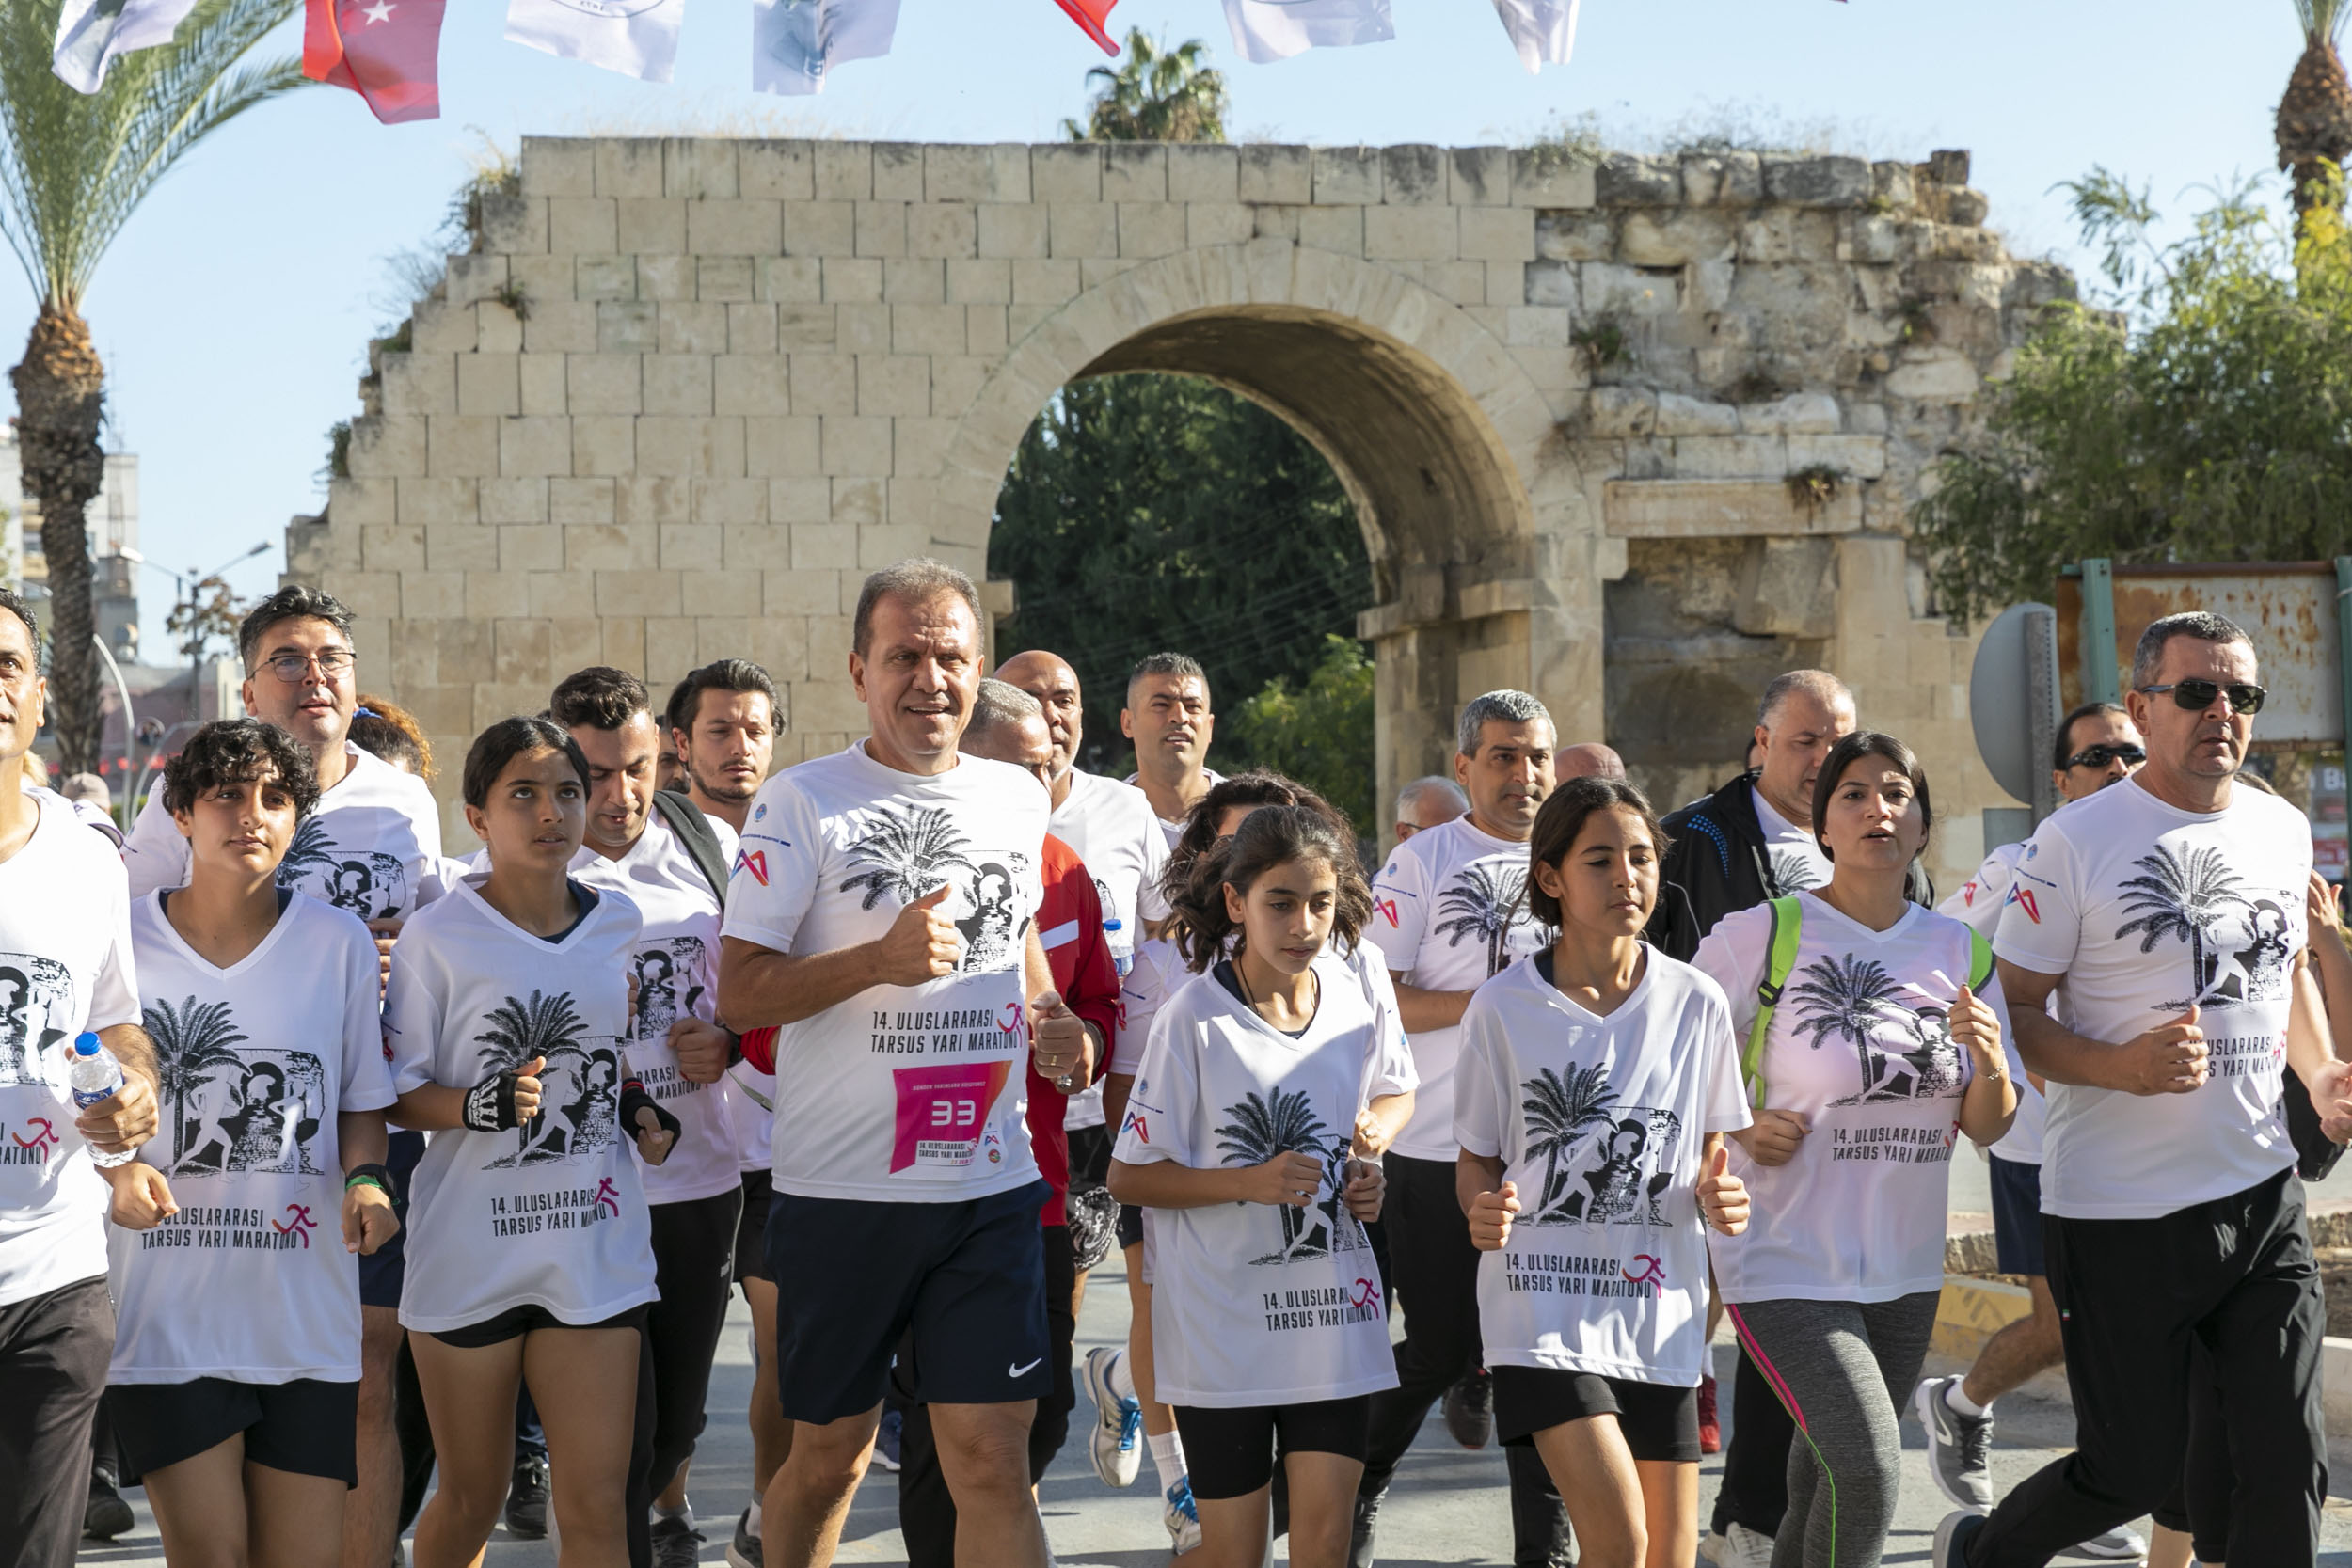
{"x": 1490, "y": 1217}
{"x": 922, "y": 944}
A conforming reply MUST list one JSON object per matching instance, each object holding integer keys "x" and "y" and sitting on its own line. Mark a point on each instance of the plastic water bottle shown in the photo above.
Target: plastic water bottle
{"x": 95, "y": 1076}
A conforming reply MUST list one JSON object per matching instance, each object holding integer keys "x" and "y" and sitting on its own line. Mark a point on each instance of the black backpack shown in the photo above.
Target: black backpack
{"x": 686, "y": 820}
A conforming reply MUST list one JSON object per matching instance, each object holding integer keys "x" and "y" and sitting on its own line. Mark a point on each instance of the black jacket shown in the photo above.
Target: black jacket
{"x": 1716, "y": 864}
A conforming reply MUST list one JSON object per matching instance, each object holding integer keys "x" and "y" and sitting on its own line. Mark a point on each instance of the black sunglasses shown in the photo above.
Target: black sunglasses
{"x": 2245, "y": 696}
{"x": 2103, "y": 753}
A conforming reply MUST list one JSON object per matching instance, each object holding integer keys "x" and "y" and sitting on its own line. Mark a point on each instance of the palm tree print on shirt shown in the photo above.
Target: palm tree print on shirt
{"x": 907, "y": 854}
{"x": 1481, "y": 903}
{"x": 192, "y": 1050}
{"x": 2184, "y": 897}
{"x": 579, "y": 1084}
{"x": 1902, "y": 1053}
{"x": 1260, "y": 1128}
{"x": 1560, "y": 1112}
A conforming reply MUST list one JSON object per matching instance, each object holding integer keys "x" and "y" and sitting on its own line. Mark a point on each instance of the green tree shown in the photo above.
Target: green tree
{"x": 2209, "y": 420}
{"x": 1144, "y": 512}
{"x": 72, "y": 169}
{"x": 1156, "y": 94}
{"x": 1321, "y": 734}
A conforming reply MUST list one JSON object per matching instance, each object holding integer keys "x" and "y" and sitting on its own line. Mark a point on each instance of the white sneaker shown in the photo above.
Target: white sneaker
{"x": 1741, "y": 1547}
{"x": 1181, "y": 1517}
{"x": 1116, "y": 1444}
{"x": 2116, "y": 1545}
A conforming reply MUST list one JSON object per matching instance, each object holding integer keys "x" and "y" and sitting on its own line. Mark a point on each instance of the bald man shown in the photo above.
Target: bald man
{"x": 1591, "y": 760}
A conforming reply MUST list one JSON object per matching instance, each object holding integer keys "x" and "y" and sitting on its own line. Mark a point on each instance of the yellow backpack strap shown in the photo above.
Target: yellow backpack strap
{"x": 1979, "y": 960}
{"x": 1780, "y": 960}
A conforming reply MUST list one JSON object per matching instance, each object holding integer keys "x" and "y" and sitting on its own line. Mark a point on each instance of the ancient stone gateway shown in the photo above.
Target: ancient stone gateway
{"x": 683, "y": 394}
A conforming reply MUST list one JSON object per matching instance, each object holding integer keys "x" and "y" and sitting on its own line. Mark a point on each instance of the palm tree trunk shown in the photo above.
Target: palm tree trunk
{"x": 61, "y": 396}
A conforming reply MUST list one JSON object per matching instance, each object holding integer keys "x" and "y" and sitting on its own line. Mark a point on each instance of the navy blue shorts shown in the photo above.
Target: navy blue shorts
{"x": 2017, "y": 1216}
{"x": 853, "y": 1278}
{"x": 305, "y": 1426}
{"x": 382, "y": 1271}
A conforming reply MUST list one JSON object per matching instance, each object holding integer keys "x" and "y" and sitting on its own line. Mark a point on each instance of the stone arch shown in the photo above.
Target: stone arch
{"x": 1462, "y": 489}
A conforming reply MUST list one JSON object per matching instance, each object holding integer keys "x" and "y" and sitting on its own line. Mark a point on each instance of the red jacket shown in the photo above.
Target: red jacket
{"x": 1069, "y": 923}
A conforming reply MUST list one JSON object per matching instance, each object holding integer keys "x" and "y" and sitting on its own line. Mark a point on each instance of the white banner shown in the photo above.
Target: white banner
{"x": 796, "y": 42}
{"x": 636, "y": 37}
{"x": 1542, "y": 31}
{"x": 1267, "y": 30}
{"x": 91, "y": 33}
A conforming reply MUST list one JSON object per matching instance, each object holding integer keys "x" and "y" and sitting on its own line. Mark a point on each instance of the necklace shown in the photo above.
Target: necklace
{"x": 1241, "y": 978}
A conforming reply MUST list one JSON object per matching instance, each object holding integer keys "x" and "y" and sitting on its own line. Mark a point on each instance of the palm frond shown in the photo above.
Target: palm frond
{"x": 2323, "y": 19}
{"x": 75, "y": 168}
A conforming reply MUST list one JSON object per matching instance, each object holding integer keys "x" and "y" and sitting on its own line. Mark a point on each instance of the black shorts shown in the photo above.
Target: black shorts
{"x": 1089, "y": 1157}
{"x": 1232, "y": 1452}
{"x": 2017, "y": 1217}
{"x": 305, "y": 1428}
{"x": 382, "y": 1271}
{"x": 853, "y": 1276}
{"x": 751, "y": 1231}
{"x": 1661, "y": 1423}
{"x": 1130, "y": 1227}
{"x": 516, "y": 1322}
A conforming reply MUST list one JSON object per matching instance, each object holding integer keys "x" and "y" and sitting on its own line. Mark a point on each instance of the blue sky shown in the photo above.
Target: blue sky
{"x": 234, "y": 311}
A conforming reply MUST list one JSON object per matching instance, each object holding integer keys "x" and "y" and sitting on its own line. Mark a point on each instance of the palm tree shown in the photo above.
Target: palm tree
{"x": 1260, "y": 1129}
{"x": 1159, "y": 94}
{"x": 1481, "y": 903}
{"x": 192, "y": 1041}
{"x": 72, "y": 169}
{"x": 1845, "y": 997}
{"x": 911, "y": 854}
{"x": 311, "y": 850}
{"x": 545, "y": 1026}
{"x": 1558, "y": 1110}
{"x": 2182, "y": 898}
{"x": 2314, "y": 123}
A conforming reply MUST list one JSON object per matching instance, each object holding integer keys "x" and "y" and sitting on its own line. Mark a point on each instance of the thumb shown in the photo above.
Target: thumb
{"x": 1722, "y": 1161}
{"x": 1510, "y": 1190}
{"x": 532, "y": 1068}
{"x": 1045, "y": 1002}
{"x": 933, "y": 899}
{"x": 2189, "y": 1016}
{"x": 1966, "y": 997}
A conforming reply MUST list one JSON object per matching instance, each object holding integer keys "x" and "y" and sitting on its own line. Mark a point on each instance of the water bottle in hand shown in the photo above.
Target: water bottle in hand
{"x": 95, "y": 1075}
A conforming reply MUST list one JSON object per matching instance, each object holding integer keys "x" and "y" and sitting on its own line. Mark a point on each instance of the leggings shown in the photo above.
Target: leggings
{"x": 1843, "y": 1369}
{"x": 693, "y": 1255}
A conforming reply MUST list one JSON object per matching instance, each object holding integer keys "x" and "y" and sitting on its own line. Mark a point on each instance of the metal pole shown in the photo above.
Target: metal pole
{"x": 2343, "y": 648}
{"x": 2102, "y": 682}
{"x": 130, "y": 719}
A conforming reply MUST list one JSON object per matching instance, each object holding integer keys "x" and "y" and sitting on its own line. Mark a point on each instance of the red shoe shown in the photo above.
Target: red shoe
{"x": 1711, "y": 1429}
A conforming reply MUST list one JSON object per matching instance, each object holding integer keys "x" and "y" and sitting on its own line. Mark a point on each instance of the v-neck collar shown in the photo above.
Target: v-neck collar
{"x": 260, "y": 949}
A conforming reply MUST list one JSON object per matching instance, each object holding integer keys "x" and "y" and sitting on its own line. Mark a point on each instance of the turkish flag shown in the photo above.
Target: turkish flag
{"x": 1092, "y": 15}
{"x": 386, "y": 51}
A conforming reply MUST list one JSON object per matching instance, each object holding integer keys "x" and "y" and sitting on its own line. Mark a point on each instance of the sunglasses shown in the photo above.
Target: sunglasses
{"x": 2103, "y": 753}
{"x": 2197, "y": 696}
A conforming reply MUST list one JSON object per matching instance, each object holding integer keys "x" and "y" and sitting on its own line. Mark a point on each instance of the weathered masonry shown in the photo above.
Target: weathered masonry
{"x": 1633, "y": 435}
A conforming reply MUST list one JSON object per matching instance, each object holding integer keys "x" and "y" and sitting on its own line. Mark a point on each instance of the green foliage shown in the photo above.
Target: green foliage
{"x": 74, "y": 169}
{"x": 2209, "y": 421}
{"x": 1155, "y": 94}
{"x": 1145, "y": 513}
{"x": 1320, "y": 734}
{"x": 337, "y": 452}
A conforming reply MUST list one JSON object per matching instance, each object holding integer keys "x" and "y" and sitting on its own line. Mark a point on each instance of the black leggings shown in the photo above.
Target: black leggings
{"x": 1755, "y": 1462}
{"x": 694, "y": 1260}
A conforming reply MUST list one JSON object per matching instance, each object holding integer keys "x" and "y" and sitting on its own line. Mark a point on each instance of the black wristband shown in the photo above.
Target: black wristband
{"x": 490, "y": 1104}
{"x": 374, "y": 1174}
{"x": 735, "y": 1046}
{"x": 633, "y": 1099}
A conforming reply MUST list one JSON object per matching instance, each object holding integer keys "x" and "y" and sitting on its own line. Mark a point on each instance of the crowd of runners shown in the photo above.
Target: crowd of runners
{"x": 445, "y": 1171}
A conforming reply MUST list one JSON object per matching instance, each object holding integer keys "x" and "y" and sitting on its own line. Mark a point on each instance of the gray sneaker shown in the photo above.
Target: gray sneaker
{"x": 1960, "y": 1447}
{"x": 2116, "y": 1545}
{"x": 1951, "y": 1539}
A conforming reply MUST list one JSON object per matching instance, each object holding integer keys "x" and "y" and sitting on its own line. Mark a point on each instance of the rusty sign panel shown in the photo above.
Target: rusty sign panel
{"x": 2289, "y": 608}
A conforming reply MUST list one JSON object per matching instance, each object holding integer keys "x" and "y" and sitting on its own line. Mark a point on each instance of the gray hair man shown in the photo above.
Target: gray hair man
{"x": 1430, "y": 801}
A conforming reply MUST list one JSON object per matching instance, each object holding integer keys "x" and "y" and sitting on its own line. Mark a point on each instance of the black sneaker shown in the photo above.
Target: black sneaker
{"x": 743, "y": 1551}
{"x": 1470, "y": 1409}
{"x": 675, "y": 1543}
{"x": 527, "y": 1499}
{"x": 106, "y": 1516}
{"x": 1950, "y": 1549}
{"x": 1362, "y": 1552}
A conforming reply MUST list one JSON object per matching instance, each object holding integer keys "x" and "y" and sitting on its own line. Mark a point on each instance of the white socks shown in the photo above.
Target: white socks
{"x": 751, "y": 1526}
{"x": 1962, "y": 1403}
{"x": 684, "y": 1511}
{"x": 1122, "y": 1381}
{"x": 1168, "y": 1456}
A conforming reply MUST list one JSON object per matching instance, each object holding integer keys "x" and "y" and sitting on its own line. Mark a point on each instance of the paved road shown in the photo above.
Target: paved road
{"x": 1450, "y": 1505}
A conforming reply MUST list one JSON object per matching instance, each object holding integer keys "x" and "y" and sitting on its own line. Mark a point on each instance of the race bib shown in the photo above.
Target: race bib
{"x": 943, "y": 1114}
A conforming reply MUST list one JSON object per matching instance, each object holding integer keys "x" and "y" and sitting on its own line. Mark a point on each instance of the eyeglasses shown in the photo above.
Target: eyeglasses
{"x": 2103, "y": 753}
{"x": 333, "y": 665}
{"x": 2197, "y": 696}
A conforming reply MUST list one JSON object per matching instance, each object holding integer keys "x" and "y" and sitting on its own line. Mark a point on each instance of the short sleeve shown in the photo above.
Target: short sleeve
{"x": 1141, "y": 993}
{"x": 2041, "y": 924}
{"x": 1399, "y": 909}
{"x": 1477, "y": 1103}
{"x": 367, "y": 1079}
{"x": 413, "y": 1006}
{"x": 113, "y": 996}
{"x": 1732, "y": 955}
{"x": 1726, "y": 1101}
{"x": 155, "y": 855}
{"x": 1392, "y": 1068}
{"x": 1151, "y": 902}
{"x": 773, "y": 882}
{"x": 1159, "y": 1107}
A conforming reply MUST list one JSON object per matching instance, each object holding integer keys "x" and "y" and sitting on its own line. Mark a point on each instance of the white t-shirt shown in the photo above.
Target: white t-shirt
{"x": 1601, "y": 1122}
{"x": 249, "y": 1280}
{"x": 1978, "y": 902}
{"x": 373, "y": 847}
{"x": 1254, "y": 1305}
{"x": 1861, "y": 1046}
{"x": 1796, "y": 857}
{"x": 65, "y": 967}
{"x": 677, "y": 965}
{"x": 1172, "y": 829}
{"x": 551, "y": 1213}
{"x": 902, "y": 1093}
{"x": 1110, "y": 827}
{"x": 2144, "y": 907}
{"x": 1449, "y": 914}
